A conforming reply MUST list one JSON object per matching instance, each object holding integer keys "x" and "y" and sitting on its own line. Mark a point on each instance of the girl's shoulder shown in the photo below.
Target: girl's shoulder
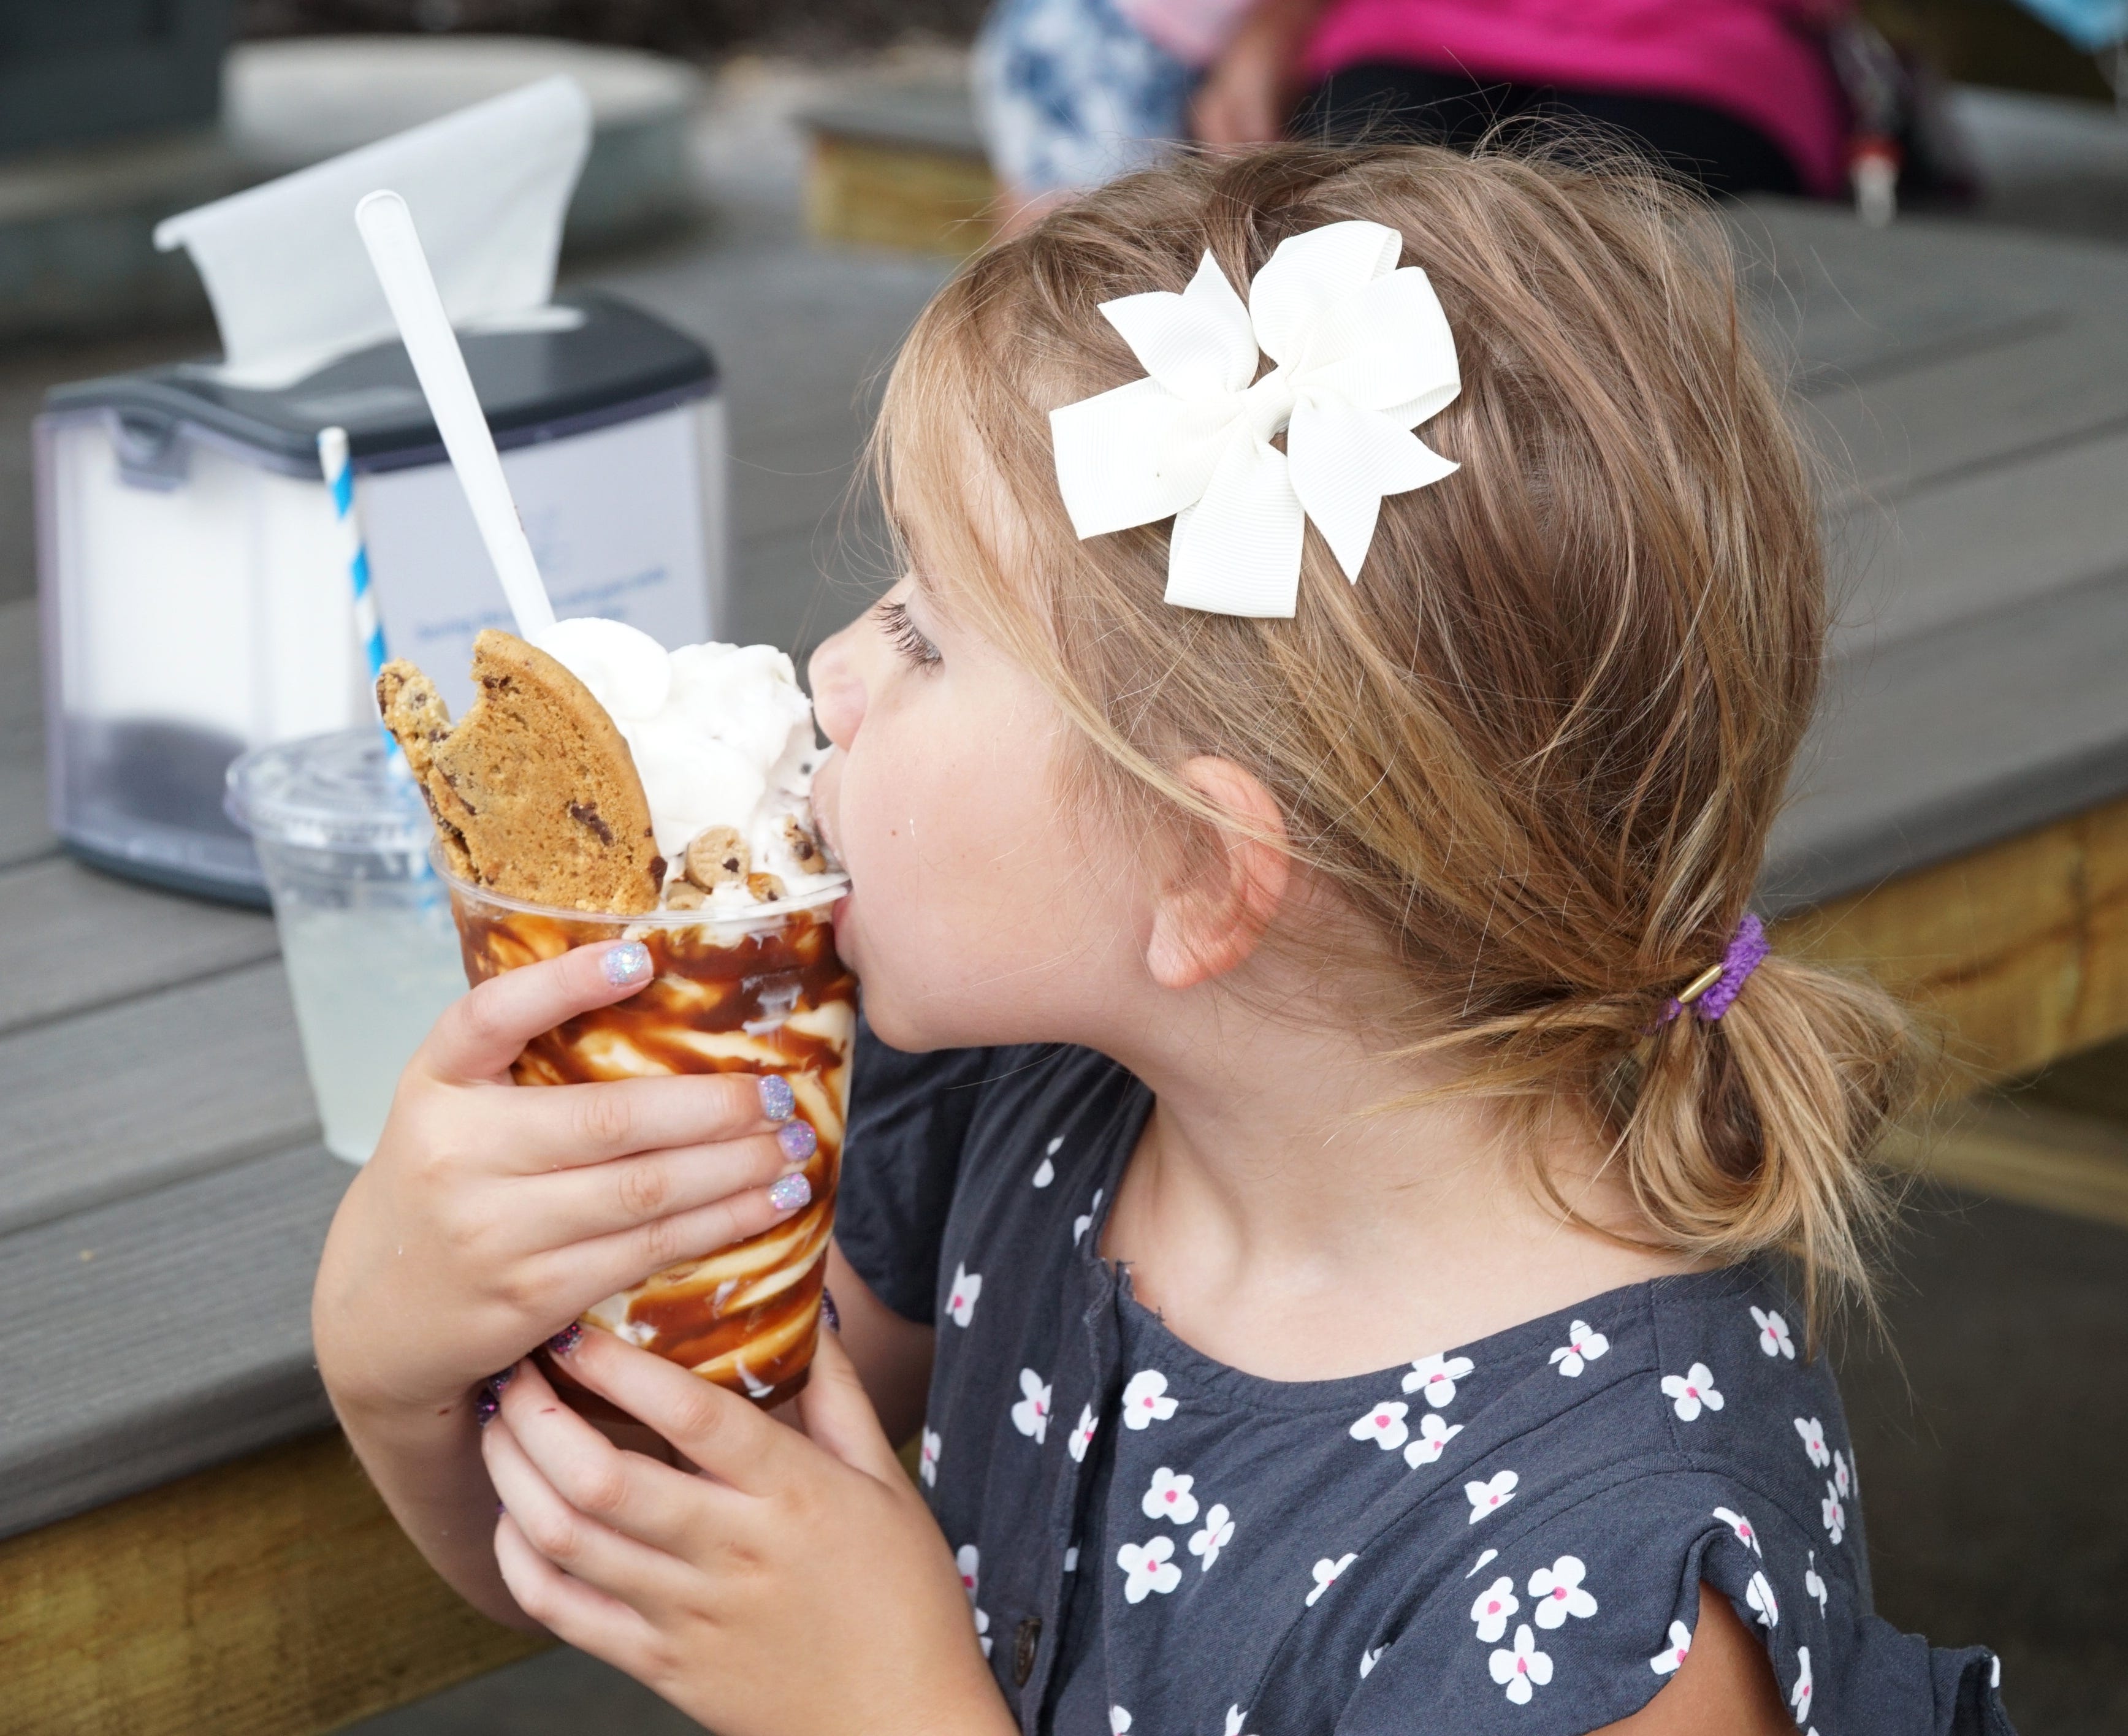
{"x": 1615, "y": 1457}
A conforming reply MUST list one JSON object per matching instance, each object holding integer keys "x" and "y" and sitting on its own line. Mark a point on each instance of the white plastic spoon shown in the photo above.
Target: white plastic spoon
{"x": 409, "y": 289}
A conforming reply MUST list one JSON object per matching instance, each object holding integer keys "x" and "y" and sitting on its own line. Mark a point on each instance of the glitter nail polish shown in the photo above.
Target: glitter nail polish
{"x": 776, "y": 1102}
{"x": 798, "y": 1139}
{"x": 485, "y": 1407}
{"x": 629, "y": 962}
{"x": 567, "y": 1340}
{"x": 831, "y": 1316}
{"x": 792, "y": 1192}
{"x": 502, "y": 1378}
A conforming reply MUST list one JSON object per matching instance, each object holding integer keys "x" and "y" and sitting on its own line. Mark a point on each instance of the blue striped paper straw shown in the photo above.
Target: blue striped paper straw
{"x": 340, "y": 482}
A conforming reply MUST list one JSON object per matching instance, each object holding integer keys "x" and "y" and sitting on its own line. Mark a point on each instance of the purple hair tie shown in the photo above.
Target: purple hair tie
{"x": 1715, "y": 989}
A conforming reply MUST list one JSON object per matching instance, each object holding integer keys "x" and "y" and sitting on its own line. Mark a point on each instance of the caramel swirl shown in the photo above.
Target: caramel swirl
{"x": 724, "y": 998}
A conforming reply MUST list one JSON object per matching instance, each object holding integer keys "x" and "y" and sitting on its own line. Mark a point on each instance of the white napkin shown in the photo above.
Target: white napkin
{"x": 488, "y": 187}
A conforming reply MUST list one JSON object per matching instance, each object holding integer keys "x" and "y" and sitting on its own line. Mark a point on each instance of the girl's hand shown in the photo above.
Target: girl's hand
{"x": 797, "y": 1585}
{"x": 492, "y": 1216}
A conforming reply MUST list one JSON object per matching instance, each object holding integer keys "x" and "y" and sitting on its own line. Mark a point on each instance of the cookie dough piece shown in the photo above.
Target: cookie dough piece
{"x": 718, "y": 857}
{"x": 533, "y": 791}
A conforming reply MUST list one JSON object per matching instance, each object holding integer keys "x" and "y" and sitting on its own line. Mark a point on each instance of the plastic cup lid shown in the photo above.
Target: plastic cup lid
{"x": 329, "y": 792}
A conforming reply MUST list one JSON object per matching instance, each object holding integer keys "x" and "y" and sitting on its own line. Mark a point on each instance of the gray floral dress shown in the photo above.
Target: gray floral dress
{"x": 1506, "y": 1537}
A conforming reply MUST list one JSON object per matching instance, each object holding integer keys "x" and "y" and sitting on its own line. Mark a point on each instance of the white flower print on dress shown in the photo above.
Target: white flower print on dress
{"x": 1082, "y": 1434}
{"x": 1839, "y": 1473}
{"x": 1488, "y": 1555}
{"x": 1584, "y": 1345}
{"x": 1492, "y": 1608}
{"x": 1236, "y": 1717}
{"x": 1218, "y": 1532}
{"x": 1556, "y": 1592}
{"x": 1773, "y": 1334}
{"x": 1747, "y": 1533}
{"x": 1119, "y": 1721}
{"x": 1433, "y": 1435}
{"x": 961, "y": 1300}
{"x": 1813, "y": 1440}
{"x": 1383, "y": 1426}
{"x": 983, "y": 1632}
{"x": 1368, "y": 1660}
{"x": 1046, "y": 1171}
{"x": 1079, "y": 1224}
{"x": 1146, "y": 1568}
{"x": 1031, "y": 1415}
{"x": 1834, "y": 1515}
{"x": 1490, "y": 1495}
{"x": 1169, "y": 1498}
{"x": 1759, "y": 1593}
{"x": 1325, "y": 1572}
{"x": 1071, "y": 1559}
{"x": 1522, "y": 1671}
{"x": 1146, "y": 1401}
{"x": 1666, "y": 1661}
{"x": 1799, "y": 1695}
{"x": 1691, "y": 1392}
{"x": 968, "y": 1558}
{"x": 1813, "y": 1584}
{"x": 927, "y": 1458}
{"x": 1436, "y": 1376}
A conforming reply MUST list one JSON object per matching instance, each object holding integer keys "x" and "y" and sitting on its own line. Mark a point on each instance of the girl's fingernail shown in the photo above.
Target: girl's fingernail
{"x": 792, "y": 1192}
{"x": 496, "y": 1381}
{"x": 776, "y": 1102}
{"x": 500, "y": 1509}
{"x": 829, "y": 1313}
{"x": 629, "y": 962}
{"x": 567, "y": 1340}
{"x": 485, "y": 1406}
{"x": 798, "y": 1139}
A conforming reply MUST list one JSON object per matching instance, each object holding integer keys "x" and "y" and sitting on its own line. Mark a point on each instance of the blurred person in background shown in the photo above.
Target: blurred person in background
{"x": 1741, "y": 95}
{"x": 1071, "y": 93}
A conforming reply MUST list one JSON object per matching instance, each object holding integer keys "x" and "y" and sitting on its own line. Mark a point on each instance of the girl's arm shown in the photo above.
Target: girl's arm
{"x": 892, "y": 1355}
{"x": 1724, "y": 1684}
{"x": 1248, "y": 95}
{"x": 492, "y": 1216}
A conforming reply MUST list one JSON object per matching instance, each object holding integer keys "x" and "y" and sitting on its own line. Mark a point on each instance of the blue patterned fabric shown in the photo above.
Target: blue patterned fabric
{"x": 1509, "y": 1536}
{"x": 1070, "y": 93}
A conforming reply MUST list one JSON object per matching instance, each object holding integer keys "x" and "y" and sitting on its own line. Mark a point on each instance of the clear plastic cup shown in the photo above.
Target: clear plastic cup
{"x": 756, "y": 991}
{"x": 343, "y": 838}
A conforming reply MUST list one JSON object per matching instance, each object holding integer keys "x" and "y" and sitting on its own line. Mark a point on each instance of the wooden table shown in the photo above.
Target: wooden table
{"x": 187, "y": 1551}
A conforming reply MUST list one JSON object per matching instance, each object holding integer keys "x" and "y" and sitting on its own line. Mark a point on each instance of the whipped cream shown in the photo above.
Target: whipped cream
{"x": 722, "y": 735}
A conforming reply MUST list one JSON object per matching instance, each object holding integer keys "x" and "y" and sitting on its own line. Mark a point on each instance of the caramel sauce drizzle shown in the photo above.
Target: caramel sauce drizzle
{"x": 745, "y": 1316}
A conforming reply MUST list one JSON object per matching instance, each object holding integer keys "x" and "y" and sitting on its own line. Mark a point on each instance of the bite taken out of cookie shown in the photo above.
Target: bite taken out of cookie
{"x": 534, "y": 792}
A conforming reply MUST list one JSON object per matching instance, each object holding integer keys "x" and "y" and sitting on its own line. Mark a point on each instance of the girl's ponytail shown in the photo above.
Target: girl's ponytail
{"x": 1750, "y": 1133}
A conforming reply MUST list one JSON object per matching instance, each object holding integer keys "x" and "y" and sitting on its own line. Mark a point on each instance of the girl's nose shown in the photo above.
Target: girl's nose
{"x": 838, "y": 690}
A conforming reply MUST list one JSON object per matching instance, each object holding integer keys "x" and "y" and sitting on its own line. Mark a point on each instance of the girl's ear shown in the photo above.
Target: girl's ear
{"x": 1224, "y": 882}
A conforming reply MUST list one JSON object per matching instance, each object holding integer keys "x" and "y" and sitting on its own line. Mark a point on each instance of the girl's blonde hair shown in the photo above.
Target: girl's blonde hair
{"x": 1539, "y": 745}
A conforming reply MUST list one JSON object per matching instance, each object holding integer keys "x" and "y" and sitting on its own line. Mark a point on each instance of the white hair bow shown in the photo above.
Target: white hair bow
{"x": 1364, "y": 355}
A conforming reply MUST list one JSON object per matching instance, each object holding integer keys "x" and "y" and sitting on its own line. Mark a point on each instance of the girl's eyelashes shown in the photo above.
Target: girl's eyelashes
{"x": 908, "y": 640}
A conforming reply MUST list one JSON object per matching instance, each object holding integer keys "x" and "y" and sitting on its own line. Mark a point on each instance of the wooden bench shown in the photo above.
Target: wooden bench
{"x": 189, "y": 1549}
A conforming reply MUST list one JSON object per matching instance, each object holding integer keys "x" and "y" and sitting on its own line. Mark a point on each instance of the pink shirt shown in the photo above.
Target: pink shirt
{"x": 1761, "y": 61}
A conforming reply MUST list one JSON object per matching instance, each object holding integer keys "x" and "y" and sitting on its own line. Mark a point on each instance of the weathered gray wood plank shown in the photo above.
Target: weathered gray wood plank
{"x": 1862, "y": 305}
{"x": 137, "y": 1095}
{"x": 2000, "y": 540}
{"x": 71, "y": 939}
{"x": 1948, "y": 740}
{"x": 162, "y": 1334}
{"x": 1961, "y": 415}
{"x": 23, "y": 833}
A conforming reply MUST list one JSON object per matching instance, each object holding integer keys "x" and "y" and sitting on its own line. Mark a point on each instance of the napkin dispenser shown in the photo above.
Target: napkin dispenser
{"x": 195, "y": 602}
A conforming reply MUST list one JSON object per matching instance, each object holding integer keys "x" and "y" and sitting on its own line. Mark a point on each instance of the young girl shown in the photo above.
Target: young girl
{"x": 1326, "y": 1111}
